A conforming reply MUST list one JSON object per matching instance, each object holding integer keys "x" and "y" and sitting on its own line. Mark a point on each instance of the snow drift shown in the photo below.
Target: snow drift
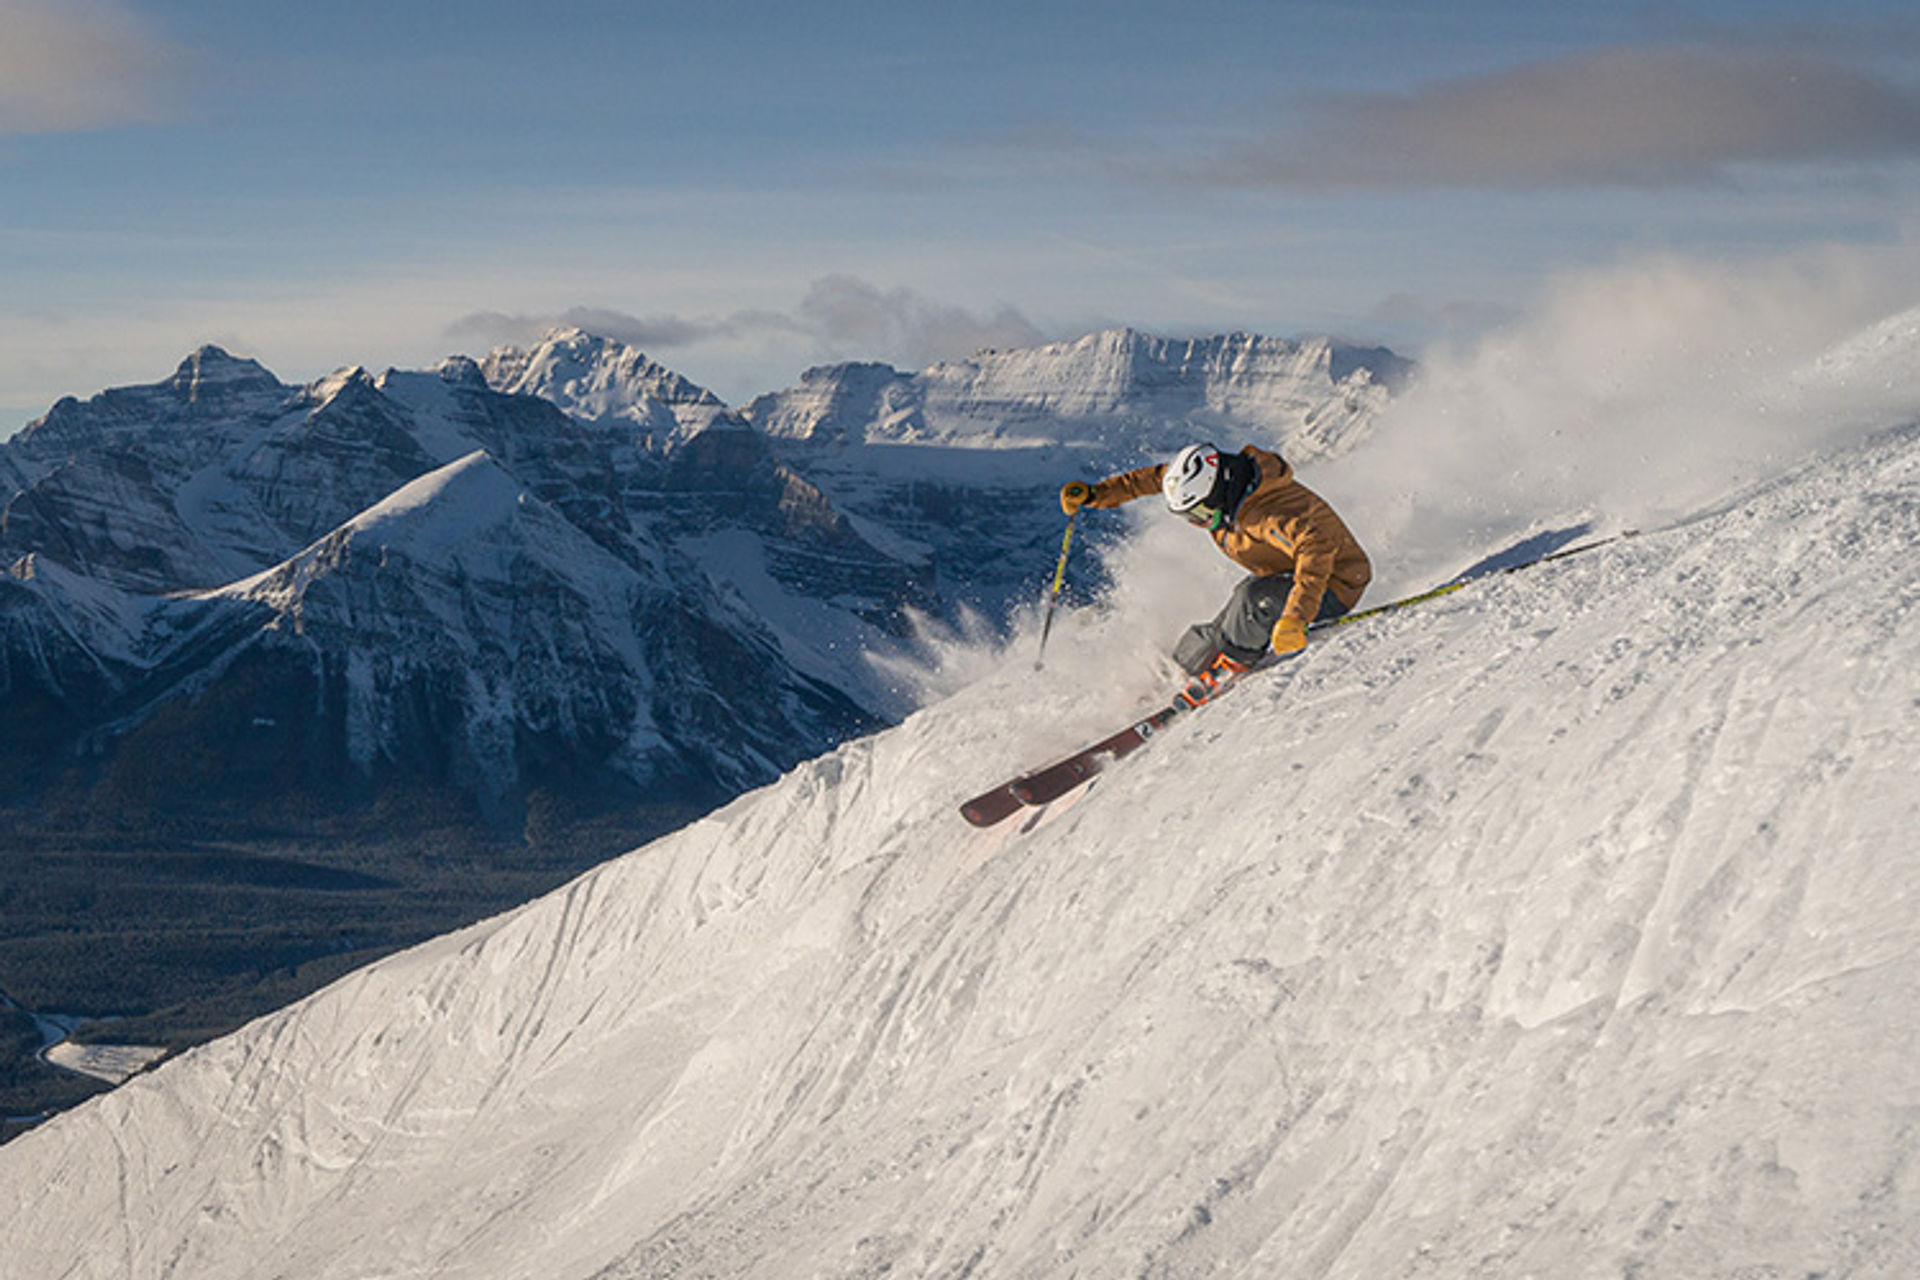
{"x": 1565, "y": 926}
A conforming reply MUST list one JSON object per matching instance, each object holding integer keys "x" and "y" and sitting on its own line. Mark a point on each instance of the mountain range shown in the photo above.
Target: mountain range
{"x": 563, "y": 573}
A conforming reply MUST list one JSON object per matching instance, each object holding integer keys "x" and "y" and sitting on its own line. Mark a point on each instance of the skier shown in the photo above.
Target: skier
{"x": 1303, "y": 565}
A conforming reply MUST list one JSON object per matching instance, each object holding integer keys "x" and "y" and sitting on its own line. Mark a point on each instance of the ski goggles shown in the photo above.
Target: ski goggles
{"x": 1204, "y": 516}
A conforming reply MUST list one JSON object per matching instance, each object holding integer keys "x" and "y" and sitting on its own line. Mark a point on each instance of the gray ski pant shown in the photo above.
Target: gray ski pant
{"x": 1243, "y": 626}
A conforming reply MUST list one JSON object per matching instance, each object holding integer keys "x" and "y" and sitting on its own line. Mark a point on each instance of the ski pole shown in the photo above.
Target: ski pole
{"x": 1053, "y": 596}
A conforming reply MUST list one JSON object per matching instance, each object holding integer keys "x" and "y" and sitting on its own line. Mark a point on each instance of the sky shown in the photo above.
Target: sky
{"x": 749, "y": 189}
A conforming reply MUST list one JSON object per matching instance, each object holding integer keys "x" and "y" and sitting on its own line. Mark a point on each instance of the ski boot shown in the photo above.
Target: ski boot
{"x": 1203, "y": 686}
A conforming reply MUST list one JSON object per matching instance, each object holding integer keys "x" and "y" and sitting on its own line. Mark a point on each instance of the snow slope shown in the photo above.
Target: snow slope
{"x": 1565, "y": 926}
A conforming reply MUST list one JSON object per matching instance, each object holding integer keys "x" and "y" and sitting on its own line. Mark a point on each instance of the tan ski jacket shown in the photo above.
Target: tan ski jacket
{"x": 1281, "y": 527}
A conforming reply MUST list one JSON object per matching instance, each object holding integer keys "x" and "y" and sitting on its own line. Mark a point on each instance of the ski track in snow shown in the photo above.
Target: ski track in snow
{"x": 1564, "y": 926}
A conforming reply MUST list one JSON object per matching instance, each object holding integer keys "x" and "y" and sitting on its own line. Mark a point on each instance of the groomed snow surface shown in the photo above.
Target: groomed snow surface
{"x": 1563, "y": 927}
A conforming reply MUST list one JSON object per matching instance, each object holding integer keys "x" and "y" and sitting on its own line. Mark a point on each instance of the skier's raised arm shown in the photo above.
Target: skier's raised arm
{"x": 1113, "y": 491}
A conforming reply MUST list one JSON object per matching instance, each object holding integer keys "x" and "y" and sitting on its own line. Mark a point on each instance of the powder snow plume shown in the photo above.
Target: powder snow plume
{"x": 1629, "y": 397}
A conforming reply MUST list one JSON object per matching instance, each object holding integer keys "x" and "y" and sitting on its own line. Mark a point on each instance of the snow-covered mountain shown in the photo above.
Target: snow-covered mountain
{"x": 1559, "y": 927}
{"x": 97, "y": 482}
{"x": 1119, "y": 390}
{"x": 462, "y": 590}
{"x": 609, "y": 385}
{"x": 686, "y": 624}
{"x": 222, "y": 470}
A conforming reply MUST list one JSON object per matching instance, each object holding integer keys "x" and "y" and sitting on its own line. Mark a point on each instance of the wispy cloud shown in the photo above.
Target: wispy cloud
{"x": 839, "y": 316}
{"x": 649, "y": 333}
{"x": 89, "y": 64}
{"x": 843, "y": 310}
{"x": 1621, "y": 116}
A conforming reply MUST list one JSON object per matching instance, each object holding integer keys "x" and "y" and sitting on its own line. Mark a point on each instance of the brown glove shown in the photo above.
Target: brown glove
{"x": 1074, "y": 495}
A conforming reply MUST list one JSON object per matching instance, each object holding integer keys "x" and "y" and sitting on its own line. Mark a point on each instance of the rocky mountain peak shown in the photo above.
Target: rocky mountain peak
{"x": 604, "y": 382}
{"x": 352, "y": 381}
{"x": 212, "y": 372}
{"x": 461, "y": 371}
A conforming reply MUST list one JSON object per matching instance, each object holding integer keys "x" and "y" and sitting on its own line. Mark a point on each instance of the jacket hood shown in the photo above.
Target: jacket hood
{"x": 1242, "y": 473}
{"x": 1272, "y": 466}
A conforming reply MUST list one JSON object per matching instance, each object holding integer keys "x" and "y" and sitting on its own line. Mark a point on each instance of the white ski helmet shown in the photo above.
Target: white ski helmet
{"x": 1190, "y": 478}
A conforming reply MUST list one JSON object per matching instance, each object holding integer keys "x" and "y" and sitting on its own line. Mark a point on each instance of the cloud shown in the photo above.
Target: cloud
{"x": 839, "y": 317}
{"x": 842, "y": 310}
{"x": 1622, "y": 116}
{"x": 649, "y": 333}
{"x": 80, "y": 66}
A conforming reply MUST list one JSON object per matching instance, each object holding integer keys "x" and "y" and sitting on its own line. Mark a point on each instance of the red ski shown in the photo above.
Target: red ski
{"x": 1047, "y": 785}
{"x": 1044, "y": 786}
{"x": 992, "y": 806}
